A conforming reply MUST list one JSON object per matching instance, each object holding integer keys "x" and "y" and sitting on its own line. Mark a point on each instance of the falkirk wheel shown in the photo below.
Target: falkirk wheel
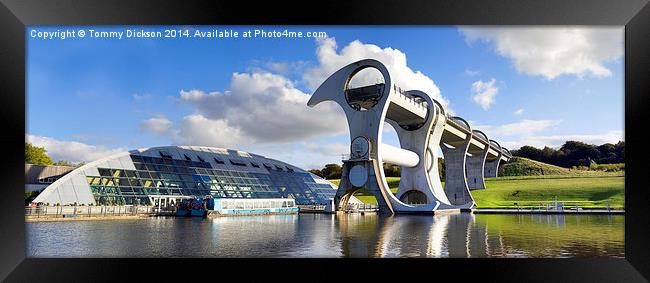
{"x": 423, "y": 129}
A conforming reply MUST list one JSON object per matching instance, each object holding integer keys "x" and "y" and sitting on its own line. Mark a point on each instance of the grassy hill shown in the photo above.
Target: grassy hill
{"x": 520, "y": 166}
{"x": 587, "y": 189}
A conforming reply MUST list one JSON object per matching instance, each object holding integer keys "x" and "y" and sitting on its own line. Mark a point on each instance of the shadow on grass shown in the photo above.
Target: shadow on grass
{"x": 600, "y": 196}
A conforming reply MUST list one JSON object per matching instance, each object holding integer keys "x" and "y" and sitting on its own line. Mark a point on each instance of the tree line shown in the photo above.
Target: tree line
{"x": 575, "y": 154}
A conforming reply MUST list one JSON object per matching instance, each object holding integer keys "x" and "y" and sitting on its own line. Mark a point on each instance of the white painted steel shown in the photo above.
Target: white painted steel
{"x": 358, "y": 175}
{"x": 399, "y": 156}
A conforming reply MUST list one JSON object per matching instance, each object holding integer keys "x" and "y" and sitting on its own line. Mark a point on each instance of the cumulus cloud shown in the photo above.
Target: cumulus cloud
{"x": 529, "y": 132}
{"x": 159, "y": 125}
{"x": 72, "y": 151}
{"x": 555, "y": 141}
{"x": 330, "y": 61}
{"x": 484, "y": 93}
{"x": 139, "y": 97}
{"x": 521, "y": 128}
{"x": 554, "y": 51}
{"x": 471, "y": 72}
{"x": 518, "y": 112}
{"x": 263, "y": 107}
{"x": 258, "y": 108}
{"x": 198, "y": 130}
{"x": 328, "y": 149}
{"x": 287, "y": 67}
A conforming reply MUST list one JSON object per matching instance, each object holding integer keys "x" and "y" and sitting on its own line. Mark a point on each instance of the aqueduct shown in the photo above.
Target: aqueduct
{"x": 423, "y": 129}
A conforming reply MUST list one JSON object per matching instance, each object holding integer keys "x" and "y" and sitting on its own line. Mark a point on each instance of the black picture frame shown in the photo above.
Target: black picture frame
{"x": 16, "y": 14}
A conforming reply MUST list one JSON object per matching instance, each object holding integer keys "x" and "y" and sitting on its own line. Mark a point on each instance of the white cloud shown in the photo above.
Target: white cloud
{"x": 72, "y": 151}
{"x": 528, "y": 132}
{"x": 484, "y": 93}
{"x": 471, "y": 72}
{"x": 554, "y": 51}
{"x": 328, "y": 149}
{"x": 518, "y": 112}
{"x": 555, "y": 141}
{"x": 287, "y": 67}
{"x": 521, "y": 128}
{"x": 395, "y": 60}
{"x": 196, "y": 129}
{"x": 159, "y": 125}
{"x": 258, "y": 108}
{"x": 139, "y": 97}
{"x": 306, "y": 155}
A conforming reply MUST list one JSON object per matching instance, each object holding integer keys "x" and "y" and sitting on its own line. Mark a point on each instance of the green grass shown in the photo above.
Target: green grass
{"x": 524, "y": 167}
{"x": 585, "y": 190}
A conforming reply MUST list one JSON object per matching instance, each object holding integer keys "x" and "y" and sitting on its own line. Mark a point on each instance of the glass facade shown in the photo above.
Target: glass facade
{"x": 156, "y": 176}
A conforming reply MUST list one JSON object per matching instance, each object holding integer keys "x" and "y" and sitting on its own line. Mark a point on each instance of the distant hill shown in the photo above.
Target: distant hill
{"x": 520, "y": 166}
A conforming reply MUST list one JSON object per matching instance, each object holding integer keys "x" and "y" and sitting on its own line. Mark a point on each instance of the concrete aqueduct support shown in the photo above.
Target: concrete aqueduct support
{"x": 492, "y": 161}
{"x": 475, "y": 163}
{"x": 455, "y": 151}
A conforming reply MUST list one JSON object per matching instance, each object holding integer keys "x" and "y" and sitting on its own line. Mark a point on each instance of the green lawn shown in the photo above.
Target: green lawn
{"x": 529, "y": 191}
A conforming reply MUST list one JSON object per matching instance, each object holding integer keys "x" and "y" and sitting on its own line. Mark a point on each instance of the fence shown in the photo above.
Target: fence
{"x": 314, "y": 207}
{"x": 361, "y": 207}
{"x": 74, "y": 211}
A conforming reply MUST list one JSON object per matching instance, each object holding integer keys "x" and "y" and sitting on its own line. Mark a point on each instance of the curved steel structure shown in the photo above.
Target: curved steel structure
{"x": 423, "y": 129}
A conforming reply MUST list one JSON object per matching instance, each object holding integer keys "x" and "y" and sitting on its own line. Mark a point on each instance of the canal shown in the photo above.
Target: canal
{"x": 323, "y": 235}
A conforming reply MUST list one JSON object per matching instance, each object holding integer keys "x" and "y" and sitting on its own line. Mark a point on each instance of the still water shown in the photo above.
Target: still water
{"x": 323, "y": 235}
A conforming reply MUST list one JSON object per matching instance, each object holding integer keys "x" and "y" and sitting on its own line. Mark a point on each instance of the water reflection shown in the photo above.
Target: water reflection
{"x": 467, "y": 235}
{"x": 405, "y": 236}
{"x": 346, "y": 235}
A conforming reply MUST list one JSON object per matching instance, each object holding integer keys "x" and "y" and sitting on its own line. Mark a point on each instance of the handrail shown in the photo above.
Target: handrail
{"x": 481, "y": 136}
{"x": 455, "y": 119}
{"x": 496, "y": 143}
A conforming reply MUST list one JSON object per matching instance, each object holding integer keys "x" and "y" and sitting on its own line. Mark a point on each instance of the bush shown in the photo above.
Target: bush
{"x": 593, "y": 166}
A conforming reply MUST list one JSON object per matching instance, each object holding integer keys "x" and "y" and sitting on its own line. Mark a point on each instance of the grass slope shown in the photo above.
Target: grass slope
{"x": 520, "y": 166}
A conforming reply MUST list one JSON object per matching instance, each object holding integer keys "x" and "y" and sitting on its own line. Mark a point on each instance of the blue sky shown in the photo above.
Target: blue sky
{"x": 89, "y": 97}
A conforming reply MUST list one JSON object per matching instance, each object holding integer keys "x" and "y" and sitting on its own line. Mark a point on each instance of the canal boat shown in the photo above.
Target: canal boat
{"x": 216, "y": 207}
{"x": 232, "y": 206}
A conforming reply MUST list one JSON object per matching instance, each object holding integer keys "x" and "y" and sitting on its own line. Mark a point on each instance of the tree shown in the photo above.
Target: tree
{"x": 391, "y": 170}
{"x": 607, "y": 153}
{"x": 30, "y": 196}
{"x": 578, "y": 153}
{"x": 332, "y": 171}
{"x": 36, "y": 155}
{"x": 441, "y": 168}
{"x": 548, "y": 154}
{"x": 620, "y": 152}
{"x": 529, "y": 152}
{"x": 575, "y": 154}
{"x": 64, "y": 163}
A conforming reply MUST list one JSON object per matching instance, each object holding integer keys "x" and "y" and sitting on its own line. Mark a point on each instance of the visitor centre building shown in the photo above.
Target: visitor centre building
{"x": 157, "y": 175}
